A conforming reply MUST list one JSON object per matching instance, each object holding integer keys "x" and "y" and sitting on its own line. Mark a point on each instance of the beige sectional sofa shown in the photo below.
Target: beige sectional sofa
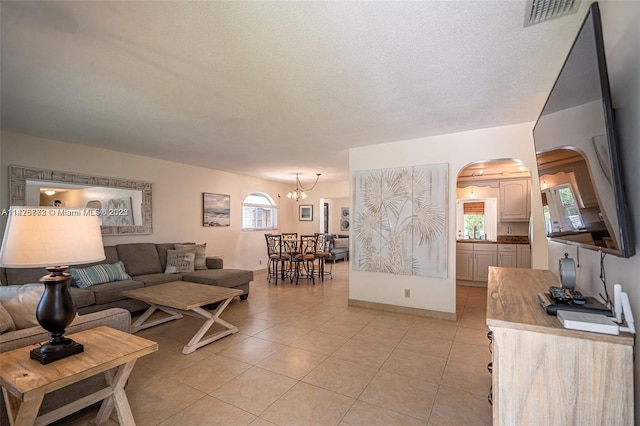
{"x": 146, "y": 264}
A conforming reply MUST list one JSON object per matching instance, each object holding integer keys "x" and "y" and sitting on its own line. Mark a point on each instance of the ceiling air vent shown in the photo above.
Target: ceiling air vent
{"x": 543, "y": 10}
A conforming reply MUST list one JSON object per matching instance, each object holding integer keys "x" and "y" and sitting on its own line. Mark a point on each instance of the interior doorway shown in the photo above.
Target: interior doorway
{"x": 325, "y": 228}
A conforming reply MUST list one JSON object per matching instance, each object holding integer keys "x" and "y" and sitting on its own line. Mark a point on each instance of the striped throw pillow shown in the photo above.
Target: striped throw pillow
{"x": 99, "y": 274}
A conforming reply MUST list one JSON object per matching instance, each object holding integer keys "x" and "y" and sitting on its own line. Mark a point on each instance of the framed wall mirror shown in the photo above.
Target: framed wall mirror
{"x": 123, "y": 206}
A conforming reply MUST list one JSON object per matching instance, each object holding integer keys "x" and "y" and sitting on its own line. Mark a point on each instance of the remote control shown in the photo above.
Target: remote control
{"x": 558, "y": 295}
{"x": 576, "y": 297}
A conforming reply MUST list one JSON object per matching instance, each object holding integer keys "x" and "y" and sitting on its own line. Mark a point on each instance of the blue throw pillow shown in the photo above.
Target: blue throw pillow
{"x": 98, "y": 274}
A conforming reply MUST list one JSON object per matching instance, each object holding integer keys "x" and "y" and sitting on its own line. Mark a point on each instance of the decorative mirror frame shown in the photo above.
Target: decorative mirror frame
{"x": 18, "y": 177}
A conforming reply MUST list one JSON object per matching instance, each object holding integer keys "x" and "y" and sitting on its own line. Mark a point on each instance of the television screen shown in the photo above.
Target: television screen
{"x": 577, "y": 153}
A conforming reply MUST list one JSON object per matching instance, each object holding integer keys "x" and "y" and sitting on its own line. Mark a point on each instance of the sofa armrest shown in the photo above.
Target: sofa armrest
{"x": 117, "y": 318}
{"x": 214, "y": 263}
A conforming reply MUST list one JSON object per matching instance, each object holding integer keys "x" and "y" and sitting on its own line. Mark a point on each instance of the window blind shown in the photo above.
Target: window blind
{"x": 474, "y": 208}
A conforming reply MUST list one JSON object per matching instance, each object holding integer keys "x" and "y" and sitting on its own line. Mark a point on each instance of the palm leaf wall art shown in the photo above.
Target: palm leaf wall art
{"x": 400, "y": 220}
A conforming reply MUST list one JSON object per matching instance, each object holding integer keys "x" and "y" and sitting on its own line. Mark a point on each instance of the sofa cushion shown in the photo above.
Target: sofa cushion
{"x": 214, "y": 263}
{"x": 180, "y": 260}
{"x": 219, "y": 277}
{"x": 155, "y": 279}
{"x": 201, "y": 255}
{"x": 111, "y": 256}
{"x": 19, "y": 276}
{"x": 162, "y": 252}
{"x": 82, "y": 297}
{"x": 140, "y": 258}
{"x": 341, "y": 243}
{"x": 99, "y": 274}
{"x": 111, "y": 292}
{"x": 6, "y": 322}
{"x": 21, "y": 301}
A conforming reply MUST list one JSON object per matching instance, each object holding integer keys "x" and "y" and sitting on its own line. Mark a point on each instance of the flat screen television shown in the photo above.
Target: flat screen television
{"x": 578, "y": 156}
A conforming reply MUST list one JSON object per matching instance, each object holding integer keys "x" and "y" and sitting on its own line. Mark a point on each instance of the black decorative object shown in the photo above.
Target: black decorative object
{"x": 38, "y": 237}
{"x": 54, "y": 313}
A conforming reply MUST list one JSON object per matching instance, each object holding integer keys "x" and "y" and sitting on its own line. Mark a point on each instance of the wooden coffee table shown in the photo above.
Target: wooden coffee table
{"x": 25, "y": 381}
{"x": 180, "y": 297}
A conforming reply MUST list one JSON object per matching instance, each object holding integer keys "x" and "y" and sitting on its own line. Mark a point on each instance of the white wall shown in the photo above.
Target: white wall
{"x": 458, "y": 150}
{"x": 177, "y": 194}
{"x": 324, "y": 190}
{"x": 621, "y": 35}
{"x": 335, "y": 214}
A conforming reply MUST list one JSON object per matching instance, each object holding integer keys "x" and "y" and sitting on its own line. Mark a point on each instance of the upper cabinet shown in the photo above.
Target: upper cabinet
{"x": 586, "y": 194}
{"x": 515, "y": 200}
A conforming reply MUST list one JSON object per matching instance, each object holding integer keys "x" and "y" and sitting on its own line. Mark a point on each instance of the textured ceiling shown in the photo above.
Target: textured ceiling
{"x": 269, "y": 89}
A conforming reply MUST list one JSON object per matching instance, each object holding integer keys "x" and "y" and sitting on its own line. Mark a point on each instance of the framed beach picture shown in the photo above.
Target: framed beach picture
{"x": 216, "y": 209}
{"x": 306, "y": 212}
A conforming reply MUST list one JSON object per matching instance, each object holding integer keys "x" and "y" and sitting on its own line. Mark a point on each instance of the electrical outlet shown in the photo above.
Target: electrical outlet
{"x": 259, "y": 262}
{"x": 407, "y": 292}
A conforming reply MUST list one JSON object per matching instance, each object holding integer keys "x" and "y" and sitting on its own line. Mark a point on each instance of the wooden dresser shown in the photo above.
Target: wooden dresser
{"x": 544, "y": 374}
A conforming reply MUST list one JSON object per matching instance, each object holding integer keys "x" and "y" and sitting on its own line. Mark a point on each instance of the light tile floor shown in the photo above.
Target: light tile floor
{"x": 303, "y": 357}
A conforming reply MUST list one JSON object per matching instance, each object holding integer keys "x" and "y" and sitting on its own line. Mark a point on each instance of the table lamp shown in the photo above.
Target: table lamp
{"x": 41, "y": 237}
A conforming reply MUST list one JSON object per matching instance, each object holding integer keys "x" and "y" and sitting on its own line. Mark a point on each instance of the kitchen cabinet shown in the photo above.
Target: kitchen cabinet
{"x": 507, "y": 255}
{"x": 515, "y": 200}
{"x": 586, "y": 194}
{"x": 473, "y": 260}
{"x": 544, "y": 374}
{"x": 481, "y": 262}
{"x": 464, "y": 264}
{"x": 524, "y": 256}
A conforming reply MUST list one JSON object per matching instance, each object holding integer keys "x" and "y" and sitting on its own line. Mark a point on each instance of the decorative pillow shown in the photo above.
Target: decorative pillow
{"x": 6, "y": 322}
{"x": 341, "y": 243}
{"x": 20, "y": 301}
{"x": 99, "y": 274}
{"x": 180, "y": 261}
{"x": 201, "y": 256}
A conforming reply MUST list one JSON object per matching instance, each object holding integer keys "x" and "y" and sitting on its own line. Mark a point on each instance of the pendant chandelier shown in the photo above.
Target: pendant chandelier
{"x": 299, "y": 193}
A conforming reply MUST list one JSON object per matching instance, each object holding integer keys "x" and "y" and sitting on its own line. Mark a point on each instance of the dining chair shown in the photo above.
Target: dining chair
{"x": 304, "y": 260}
{"x": 289, "y": 235}
{"x": 276, "y": 257}
{"x": 322, "y": 254}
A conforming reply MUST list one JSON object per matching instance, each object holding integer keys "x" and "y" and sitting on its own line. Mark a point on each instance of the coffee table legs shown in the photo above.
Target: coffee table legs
{"x": 140, "y": 323}
{"x": 197, "y": 340}
{"x": 211, "y": 318}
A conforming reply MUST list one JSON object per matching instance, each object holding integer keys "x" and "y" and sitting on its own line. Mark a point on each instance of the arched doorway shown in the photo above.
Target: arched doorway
{"x": 493, "y": 213}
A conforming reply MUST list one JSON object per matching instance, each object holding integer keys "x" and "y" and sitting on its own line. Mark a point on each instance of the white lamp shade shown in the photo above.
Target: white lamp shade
{"x": 50, "y": 236}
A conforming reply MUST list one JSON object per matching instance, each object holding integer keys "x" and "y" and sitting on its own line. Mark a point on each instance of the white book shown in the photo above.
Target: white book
{"x": 588, "y": 322}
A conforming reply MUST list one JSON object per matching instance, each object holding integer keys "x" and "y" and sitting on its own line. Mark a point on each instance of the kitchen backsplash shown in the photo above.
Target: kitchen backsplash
{"x": 513, "y": 239}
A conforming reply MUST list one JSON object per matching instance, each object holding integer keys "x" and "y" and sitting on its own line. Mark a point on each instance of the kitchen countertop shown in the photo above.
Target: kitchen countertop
{"x": 502, "y": 239}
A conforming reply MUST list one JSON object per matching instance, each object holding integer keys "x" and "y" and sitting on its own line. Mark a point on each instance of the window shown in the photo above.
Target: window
{"x": 477, "y": 218}
{"x": 259, "y": 212}
{"x": 561, "y": 210}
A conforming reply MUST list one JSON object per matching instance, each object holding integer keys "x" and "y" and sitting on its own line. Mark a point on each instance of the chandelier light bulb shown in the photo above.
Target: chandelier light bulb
{"x": 299, "y": 192}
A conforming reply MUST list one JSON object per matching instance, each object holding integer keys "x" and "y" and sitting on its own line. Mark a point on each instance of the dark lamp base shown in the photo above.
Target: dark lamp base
{"x": 49, "y": 352}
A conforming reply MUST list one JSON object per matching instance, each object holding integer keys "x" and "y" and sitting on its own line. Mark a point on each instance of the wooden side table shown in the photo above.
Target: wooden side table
{"x": 25, "y": 382}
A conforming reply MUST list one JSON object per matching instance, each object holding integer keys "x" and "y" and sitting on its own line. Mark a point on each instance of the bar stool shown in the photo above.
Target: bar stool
{"x": 276, "y": 256}
{"x": 304, "y": 260}
{"x": 322, "y": 254}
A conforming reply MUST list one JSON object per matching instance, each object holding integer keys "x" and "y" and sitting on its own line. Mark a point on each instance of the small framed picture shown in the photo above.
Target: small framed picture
{"x": 344, "y": 219}
{"x": 306, "y": 212}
